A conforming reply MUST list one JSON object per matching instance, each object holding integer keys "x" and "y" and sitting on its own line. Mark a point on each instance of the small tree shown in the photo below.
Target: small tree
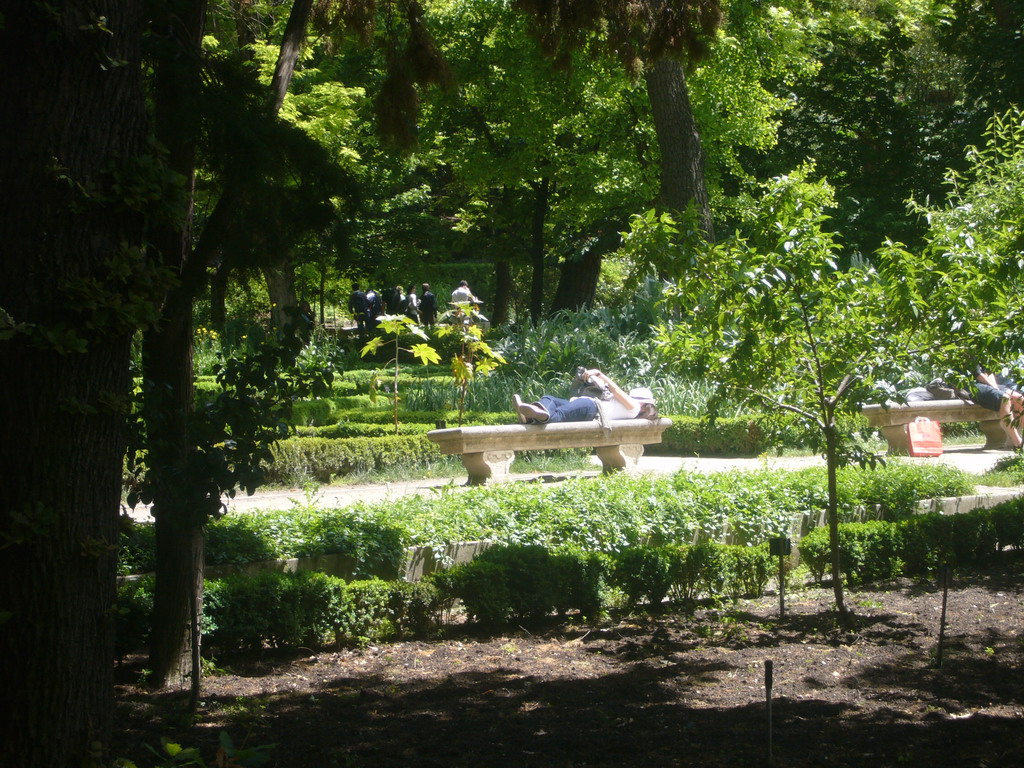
{"x": 774, "y": 319}
{"x": 475, "y": 356}
{"x": 392, "y": 327}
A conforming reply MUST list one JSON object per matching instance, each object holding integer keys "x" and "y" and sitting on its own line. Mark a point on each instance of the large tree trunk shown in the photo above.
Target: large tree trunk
{"x": 68, "y": 123}
{"x": 502, "y": 292}
{"x": 541, "y": 191}
{"x": 280, "y": 272}
{"x": 577, "y": 278}
{"x": 167, "y": 363}
{"x": 682, "y": 158}
{"x": 280, "y": 279}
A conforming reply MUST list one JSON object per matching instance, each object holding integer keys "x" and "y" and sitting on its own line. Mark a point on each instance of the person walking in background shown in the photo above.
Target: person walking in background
{"x": 357, "y": 307}
{"x": 395, "y": 301}
{"x": 428, "y": 306}
{"x": 374, "y": 307}
{"x": 412, "y": 304}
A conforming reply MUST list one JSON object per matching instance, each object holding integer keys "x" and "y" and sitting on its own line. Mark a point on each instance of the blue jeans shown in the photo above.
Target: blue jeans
{"x": 580, "y": 409}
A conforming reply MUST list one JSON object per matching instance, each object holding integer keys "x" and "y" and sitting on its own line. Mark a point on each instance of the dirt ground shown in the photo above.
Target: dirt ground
{"x": 676, "y": 689}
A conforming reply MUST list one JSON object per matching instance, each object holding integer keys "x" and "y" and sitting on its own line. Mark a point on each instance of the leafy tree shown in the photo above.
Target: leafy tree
{"x": 206, "y": 106}
{"x": 539, "y": 162}
{"x": 880, "y": 113}
{"x": 475, "y": 356}
{"x": 969, "y": 278}
{"x": 654, "y": 36}
{"x": 80, "y": 184}
{"x": 772, "y": 318}
{"x": 395, "y": 326}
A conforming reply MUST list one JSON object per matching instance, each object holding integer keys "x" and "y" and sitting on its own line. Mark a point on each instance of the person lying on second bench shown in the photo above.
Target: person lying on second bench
{"x": 636, "y": 404}
{"x": 1002, "y": 395}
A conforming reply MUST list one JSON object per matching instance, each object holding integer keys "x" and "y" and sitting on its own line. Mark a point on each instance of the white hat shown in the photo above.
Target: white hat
{"x": 642, "y": 394}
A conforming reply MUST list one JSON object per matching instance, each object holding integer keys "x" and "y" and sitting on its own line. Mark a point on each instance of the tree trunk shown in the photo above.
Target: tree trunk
{"x": 167, "y": 361}
{"x": 832, "y": 464}
{"x": 219, "y": 297}
{"x": 502, "y": 291}
{"x": 541, "y": 191}
{"x": 280, "y": 279}
{"x": 577, "y": 278}
{"x": 67, "y": 122}
{"x": 682, "y": 158}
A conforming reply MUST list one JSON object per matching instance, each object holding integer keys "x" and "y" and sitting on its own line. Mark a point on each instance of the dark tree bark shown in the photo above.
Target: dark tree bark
{"x": 69, "y": 121}
{"x": 280, "y": 278}
{"x": 502, "y": 291}
{"x": 178, "y": 512}
{"x": 577, "y": 278}
{"x": 682, "y": 158}
{"x": 541, "y": 190}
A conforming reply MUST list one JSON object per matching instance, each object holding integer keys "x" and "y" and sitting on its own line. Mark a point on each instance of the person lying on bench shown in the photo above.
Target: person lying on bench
{"x": 638, "y": 403}
{"x": 1000, "y": 394}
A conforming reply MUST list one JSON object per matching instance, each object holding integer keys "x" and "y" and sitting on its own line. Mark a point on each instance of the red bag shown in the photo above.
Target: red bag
{"x": 924, "y": 437}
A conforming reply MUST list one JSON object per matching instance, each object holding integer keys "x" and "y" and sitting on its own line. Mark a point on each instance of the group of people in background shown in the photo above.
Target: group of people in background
{"x": 366, "y": 306}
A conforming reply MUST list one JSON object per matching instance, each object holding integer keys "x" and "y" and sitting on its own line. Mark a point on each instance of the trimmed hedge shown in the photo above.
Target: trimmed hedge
{"x": 298, "y": 459}
{"x": 918, "y": 545}
{"x": 290, "y": 609}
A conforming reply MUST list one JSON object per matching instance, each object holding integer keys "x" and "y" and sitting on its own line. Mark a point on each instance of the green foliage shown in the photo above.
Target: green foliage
{"x": 174, "y": 755}
{"x": 918, "y": 545}
{"x": 526, "y": 582}
{"x": 133, "y": 616}
{"x": 604, "y": 514}
{"x": 297, "y": 460}
{"x": 396, "y": 326}
{"x": 475, "y": 357}
{"x": 968, "y": 279}
{"x": 373, "y": 541}
{"x": 646, "y": 572}
{"x": 271, "y": 608}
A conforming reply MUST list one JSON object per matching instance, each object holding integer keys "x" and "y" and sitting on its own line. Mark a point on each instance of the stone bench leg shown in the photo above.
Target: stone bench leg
{"x": 996, "y": 438}
{"x": 618, "y": 457}
{"x": 896, "y": 437}
{"x": 487, "y": 466}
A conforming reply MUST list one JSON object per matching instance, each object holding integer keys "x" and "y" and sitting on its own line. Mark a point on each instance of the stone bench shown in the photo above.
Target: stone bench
{"x": 487, "y": 452}
{"x": 892, "y": 419}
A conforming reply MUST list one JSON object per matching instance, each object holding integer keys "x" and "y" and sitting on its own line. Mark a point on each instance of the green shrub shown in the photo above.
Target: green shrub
{"x": 581, "y": 580}
{"x": 1008, "y": 519}
{"x": 524, "y": 583}
{"x": 870, "y": 551}
{"x": 751, "y": 569}
{"x": 898, "y": 487}
{"x": 299, "y": 459}
{"x": 483, "y": 589}
{"x": 279, "y": 609}
{"x": 364, "y": 613}
{"x": 646, "y": 572}
{"x": 133, "y": 616}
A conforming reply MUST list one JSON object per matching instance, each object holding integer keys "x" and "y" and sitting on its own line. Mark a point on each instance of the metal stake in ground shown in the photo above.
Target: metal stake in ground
{"x": 942, "y": 618}
{"x": 768, "y": 703}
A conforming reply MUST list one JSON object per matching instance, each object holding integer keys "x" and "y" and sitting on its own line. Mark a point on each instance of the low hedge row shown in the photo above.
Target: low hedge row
{"x": 288, "y": 609}
{"x": 501, "y": 586}
{"x": 300, "y": 459}
{"x": 880, "y": 550}
{"x": 522, "y": 583}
